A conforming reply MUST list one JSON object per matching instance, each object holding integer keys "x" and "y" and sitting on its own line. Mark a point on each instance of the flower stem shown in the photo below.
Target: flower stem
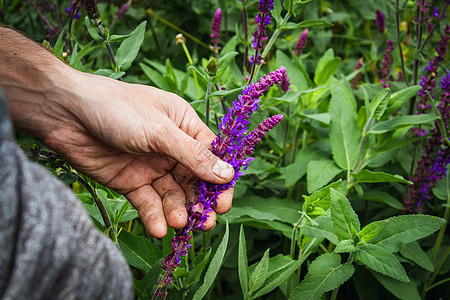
{"x": 208, "y": 92}
{"x": 245, "y": 24}
{"x": 189, "y": 58}
{"x": 164, "y": 21}
{"x": 400, "y": 50}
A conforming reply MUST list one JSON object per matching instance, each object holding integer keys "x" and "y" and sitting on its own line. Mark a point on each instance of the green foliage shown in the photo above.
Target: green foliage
{"x": 327, "y": 187}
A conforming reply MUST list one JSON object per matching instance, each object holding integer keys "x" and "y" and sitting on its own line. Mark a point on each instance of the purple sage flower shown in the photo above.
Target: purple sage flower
{"x": 91, "y": 9}
{"x": 233, "y": 145}
{"x": 301, "y": 42}
{"x": 357, "y": 78}
{"x": 122, "y": 11}
{"x": 386, "y": 63}
{"x": 260, "y": 35}
{"x": 380, "y": 21}
{"x": 433, "y": 164}
{"x": 215, "y": 28}
{"x": 428, "y": 82}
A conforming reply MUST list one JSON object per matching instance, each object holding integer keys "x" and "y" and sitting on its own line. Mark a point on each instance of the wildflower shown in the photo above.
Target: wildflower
{"x": 355, "y": 80}
{"x": 233, "y": 146}
{"x": 260, "y": 35}
{"x": 386, "y": 63}
{"x": 91, "y": 9}
{"x": 428, "y": 82}
{"x": 73, "y": 10}
{"x": 215, "y": 28}
{"x": 433, "y": 164}
{"x": 380, "y": 21}
{"x": 122, "y": 10}
{"x": 301, "y": 42}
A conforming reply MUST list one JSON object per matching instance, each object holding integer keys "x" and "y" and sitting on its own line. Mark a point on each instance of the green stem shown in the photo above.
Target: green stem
{"x": 419, "y": 28}
{"x": 108, "y": 47}
{"x": 292, "y": 250}
{"x": 208, "y": 92}
{"x": 400, "y": 50}
{"x": 164, "y": 21}
{"x": 189, "y": 58}
{"x": 437, "y": 284}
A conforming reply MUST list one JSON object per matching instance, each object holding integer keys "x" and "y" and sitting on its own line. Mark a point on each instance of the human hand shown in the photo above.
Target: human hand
{"x": 144, "y": 143}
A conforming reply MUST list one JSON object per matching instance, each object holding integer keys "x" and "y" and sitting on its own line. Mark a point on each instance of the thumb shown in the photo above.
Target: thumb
{"x": 196, "y": 157}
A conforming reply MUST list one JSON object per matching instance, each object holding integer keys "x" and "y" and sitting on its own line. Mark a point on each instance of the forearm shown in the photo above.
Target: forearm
{"x": 32, "y": 78}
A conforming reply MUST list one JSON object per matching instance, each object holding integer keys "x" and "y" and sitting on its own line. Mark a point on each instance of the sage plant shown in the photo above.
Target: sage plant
{"x": 260, "y": 35}
{"x": 215, "y": 28}
{"x": 234, "y": 145}
{"x": 301, "y": 42}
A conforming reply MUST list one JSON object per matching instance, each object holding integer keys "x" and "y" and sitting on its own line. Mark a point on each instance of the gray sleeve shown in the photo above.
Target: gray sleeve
{"x": 49, "y": 246}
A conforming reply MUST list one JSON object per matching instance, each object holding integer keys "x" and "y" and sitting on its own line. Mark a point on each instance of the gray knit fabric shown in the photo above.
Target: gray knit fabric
{"x": 49, "y": 248}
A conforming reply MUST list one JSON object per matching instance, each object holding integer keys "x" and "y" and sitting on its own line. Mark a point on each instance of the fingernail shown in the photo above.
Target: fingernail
{"x": 222, "y": 169}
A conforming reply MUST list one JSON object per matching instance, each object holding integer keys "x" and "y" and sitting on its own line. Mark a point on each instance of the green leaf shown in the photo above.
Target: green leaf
{"x": 155, "y": 77}
{"x": 118, "y": 38}
{"x": 288, "y": 5}
{"x": 326, "y": 71}
{"x": 315, "y": 23}
{"x": 242, "y": 262}
{"x": 400, "y": 97}
{"x": 369, "y": 176}
{"x": 223, "y": 93}
{"x": 129, "y": 48}
{"x": 224, "y": 63}
{"x": 345, "y": 220}
{"x": 322, "y": 197}
{"x": 371, "y": 230}
{"x": 401, "y": 230}
{"x": 279, "y": 276}
{"x": 167, "y": 240}
{"x": 381, "y": 260}
{"x": 345, "y": 246}
{"x": 401, "y": 121}
{"x": 383, "y": 197}
{"x": 324, "y": 229}
{"x": 345, "y": 135}
{"x": 402, "y": 290}
{"x": 293, "y": 72}
{"x": 320, "y": 172}
{"x": 214, "y": 266}
{"x": 59, "y": 46}
{"x": 85, "y": 50}
{"x": 326, "y": 273}
{"x": 139, "y": 252}
{"x": 379, "y": 103}
{"x": 414, "y": 252}
{"x": 92, "y": 29}
{"x": 259, "y": 275}
{"x": 201, "y": 260}
{"x": 294, "y": 172}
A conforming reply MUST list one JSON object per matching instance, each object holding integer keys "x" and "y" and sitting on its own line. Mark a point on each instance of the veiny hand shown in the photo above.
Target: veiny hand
{"x": 144, "y": 143}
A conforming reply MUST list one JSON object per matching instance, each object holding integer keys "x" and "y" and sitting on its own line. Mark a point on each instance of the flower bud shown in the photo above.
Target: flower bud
{"x": 211, "y": 66}
{"x": 91, "y": 9}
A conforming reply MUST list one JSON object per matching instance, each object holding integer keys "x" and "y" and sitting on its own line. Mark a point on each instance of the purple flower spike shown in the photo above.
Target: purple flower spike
{"x": 215, "y": 27}
{"x": 260, "y": 35}
{"x": 122, "y": 11}
{"x": 301, "y": 42}
{"x": 386, "y": 63}
{"x": 380, "y": 21}
{"x": 233, "y": 145}
{"x": 357, "y": 78}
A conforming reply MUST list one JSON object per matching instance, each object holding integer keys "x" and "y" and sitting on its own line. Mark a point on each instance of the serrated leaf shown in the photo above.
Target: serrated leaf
{"x": 320, "y": 172}
{"x": 138, "y": 251}
{"x": 401, "y": 230}
{"x": 402, "y": 290}
{"x": 345, "y": 220}
{"x": 214, "y": 266}
{"x": 324, "y": 229}
{"x": 259, "y": 275}
{"x": 401, "y": 121}
{"x": 379, "y": 103}
{"x": 414, "y": 252}
{"x": 155, "y": 77}
{"x": 279, "y": 276}
{"x": 369, "y": 176}
{"x": 345, "y": 246}
{"x": 345, "y": 135}
{"x": 381, "y": 260}
{"x": 242, "y": 262}
{"x": 326, "y": 273}
{"x": 129, "y": 48}
{"x": 400, "y": 97}
{"x": 224, "y": 63}
{"x": 371, "y": 230}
